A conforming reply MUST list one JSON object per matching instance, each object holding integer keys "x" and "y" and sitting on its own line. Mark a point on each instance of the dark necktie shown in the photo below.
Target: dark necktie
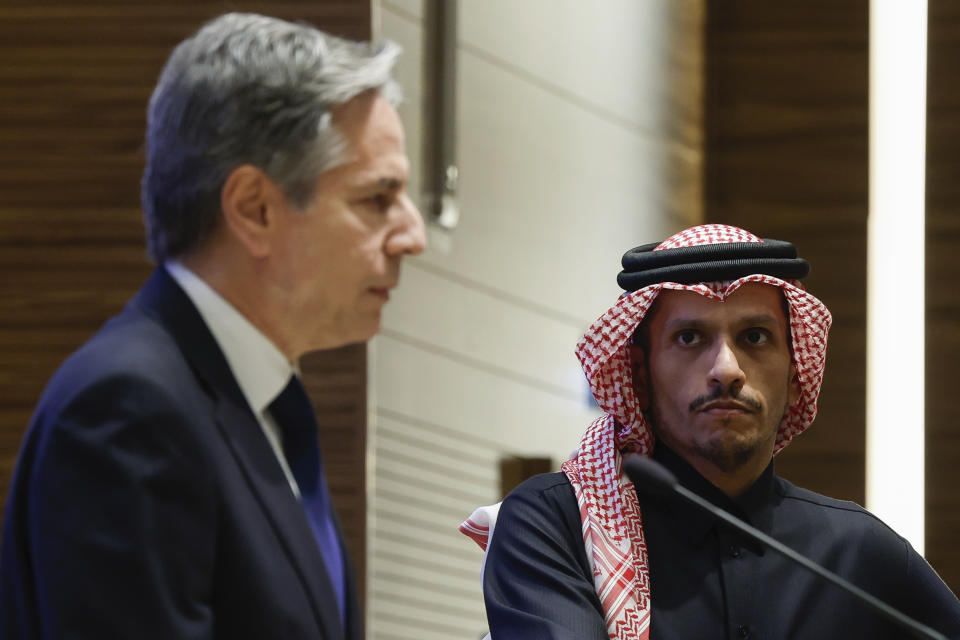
{"x": 301, "y": 447}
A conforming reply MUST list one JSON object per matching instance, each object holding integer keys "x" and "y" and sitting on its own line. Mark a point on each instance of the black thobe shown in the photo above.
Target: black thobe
{"x": 708, "y": 581}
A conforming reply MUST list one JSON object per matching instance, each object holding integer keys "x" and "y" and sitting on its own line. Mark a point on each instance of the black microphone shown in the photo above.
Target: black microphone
{"x": 652, "y": 478}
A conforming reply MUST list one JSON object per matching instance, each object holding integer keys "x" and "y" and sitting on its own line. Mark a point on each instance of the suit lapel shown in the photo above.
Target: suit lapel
{"x": 266, "y": 479}
{"x": 163, "y": 299}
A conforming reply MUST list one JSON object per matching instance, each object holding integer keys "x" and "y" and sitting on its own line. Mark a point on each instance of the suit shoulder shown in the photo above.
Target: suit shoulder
{"x": 131, "y": 340}
{"x": 130, "y": 369}
{"x": 129, "y": 345}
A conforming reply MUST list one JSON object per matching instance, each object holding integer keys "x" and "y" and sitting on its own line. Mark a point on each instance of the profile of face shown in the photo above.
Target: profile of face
{"x": 339, "y": 256}
{"x": 715, "y": 378}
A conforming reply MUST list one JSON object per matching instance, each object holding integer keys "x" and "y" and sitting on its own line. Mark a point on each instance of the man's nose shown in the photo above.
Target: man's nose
{"x": 410, "y": 236}
{"x": 725, "y": 371}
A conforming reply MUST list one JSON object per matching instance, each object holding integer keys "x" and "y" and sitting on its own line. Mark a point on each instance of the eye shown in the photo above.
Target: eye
{"x": 756, "y": 336}
{"x": 687, "y": 337}
{"x": 379, "y": 201}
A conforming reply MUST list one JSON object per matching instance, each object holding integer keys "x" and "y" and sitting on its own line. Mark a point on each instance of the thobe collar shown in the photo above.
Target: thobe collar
{"x": 755, "y": 506}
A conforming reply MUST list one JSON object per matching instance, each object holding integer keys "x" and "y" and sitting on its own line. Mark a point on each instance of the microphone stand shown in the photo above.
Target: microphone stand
{"x": 648, "y": 475}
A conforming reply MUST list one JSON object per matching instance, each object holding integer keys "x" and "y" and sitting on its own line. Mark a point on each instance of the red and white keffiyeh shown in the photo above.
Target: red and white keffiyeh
{"x": 612, "y": 523}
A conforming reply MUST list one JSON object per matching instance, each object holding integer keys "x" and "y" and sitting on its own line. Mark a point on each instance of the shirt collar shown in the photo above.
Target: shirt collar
{"x": 261, "y": 369}
{"x": 754, "y": 506}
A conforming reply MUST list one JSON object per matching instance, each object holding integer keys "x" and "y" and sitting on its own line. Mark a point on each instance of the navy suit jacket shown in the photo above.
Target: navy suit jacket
{"x": 147, "y": 502}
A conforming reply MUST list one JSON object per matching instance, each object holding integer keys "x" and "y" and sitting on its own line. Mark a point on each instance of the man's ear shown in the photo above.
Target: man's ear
{"x": 638, "y": 371}
{"x": 793, "y": 389}
{"x": 250, "y": 202}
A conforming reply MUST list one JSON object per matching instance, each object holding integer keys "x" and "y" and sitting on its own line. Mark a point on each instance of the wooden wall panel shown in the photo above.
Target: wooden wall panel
{"x": 685, "y": 113}
{"x": 786, "y": 124}
{"x": 942, "y": 292}
{"x": 74, "y": 83}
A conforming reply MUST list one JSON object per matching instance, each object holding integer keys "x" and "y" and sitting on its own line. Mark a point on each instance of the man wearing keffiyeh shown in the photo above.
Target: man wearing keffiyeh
{"x": 710, "y": 362}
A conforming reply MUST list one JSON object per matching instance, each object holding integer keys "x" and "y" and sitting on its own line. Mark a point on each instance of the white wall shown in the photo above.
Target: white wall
{"x": 561, "y": 108}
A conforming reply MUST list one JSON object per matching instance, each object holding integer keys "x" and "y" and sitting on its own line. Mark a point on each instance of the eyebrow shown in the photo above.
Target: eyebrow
{"x": 760, "y": 319}
{"x": 389, "y": 183}
{"x": 683, "y": 323}
{"x": 369, "y": 184}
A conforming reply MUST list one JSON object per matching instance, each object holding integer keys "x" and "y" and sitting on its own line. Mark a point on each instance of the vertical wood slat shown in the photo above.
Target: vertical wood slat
{"x": 74, "y": 83}
{"x": 942, "y": 293}
{"x": 685, "y": 113}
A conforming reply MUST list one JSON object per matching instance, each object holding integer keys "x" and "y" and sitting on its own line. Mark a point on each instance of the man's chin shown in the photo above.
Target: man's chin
{"x": 731, "y": 450}
{"x": 360, "y": 330}
{"x": 363, "y": 329}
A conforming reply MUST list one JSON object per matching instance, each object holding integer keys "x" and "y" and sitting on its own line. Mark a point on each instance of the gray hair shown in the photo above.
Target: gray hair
{"x": 248, "y": 89}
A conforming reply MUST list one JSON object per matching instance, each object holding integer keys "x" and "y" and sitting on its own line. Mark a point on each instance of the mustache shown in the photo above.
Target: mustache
{"x": 720, "y": 392}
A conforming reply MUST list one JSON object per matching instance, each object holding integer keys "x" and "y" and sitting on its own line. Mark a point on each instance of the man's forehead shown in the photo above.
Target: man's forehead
{"x": 373, "y": 151}
{"x": 369, "y": 120}
{"x": 752, "y": 299}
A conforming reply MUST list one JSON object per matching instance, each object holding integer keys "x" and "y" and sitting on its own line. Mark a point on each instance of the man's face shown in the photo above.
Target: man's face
{"x": 341, "y": 253}
{"x": 718, "y": 376}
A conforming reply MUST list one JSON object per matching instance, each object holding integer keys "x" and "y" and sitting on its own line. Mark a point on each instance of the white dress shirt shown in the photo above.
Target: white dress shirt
{"x": 260, "y": 368}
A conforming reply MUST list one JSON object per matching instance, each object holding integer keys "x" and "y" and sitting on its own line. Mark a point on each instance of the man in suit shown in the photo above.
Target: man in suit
{"x": 170, "y": 483}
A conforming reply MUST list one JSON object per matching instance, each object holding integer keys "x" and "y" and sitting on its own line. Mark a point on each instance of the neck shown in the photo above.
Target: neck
{"x": 239, "y": 282}
{"x": 731, "y": 484}
{"x": 733, "y": 475}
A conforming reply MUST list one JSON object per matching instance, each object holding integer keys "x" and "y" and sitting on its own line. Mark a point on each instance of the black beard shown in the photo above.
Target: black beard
{"x": 727, "y": 457}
